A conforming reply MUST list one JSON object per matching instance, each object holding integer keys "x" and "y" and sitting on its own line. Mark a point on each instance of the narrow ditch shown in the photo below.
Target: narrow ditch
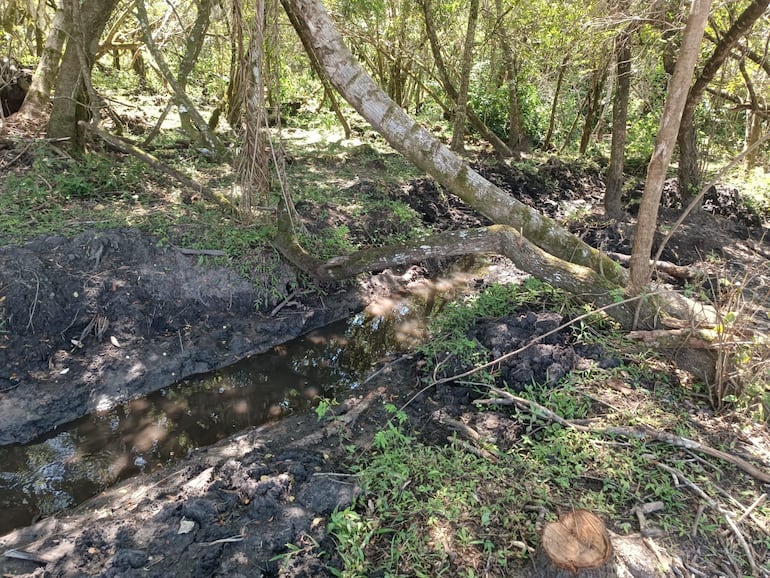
{"x": 66, "y": 467}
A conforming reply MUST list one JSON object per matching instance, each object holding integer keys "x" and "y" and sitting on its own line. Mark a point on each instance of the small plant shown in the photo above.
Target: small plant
{"x": 450, "y": 325}
{"x": 324, "y": 408}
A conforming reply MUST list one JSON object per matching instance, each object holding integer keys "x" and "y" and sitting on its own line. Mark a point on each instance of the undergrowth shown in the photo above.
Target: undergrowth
{"x": 475, "y": 507}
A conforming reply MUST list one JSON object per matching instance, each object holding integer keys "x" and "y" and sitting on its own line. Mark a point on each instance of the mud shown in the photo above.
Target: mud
{"x": 93, "y": 321}
{"x": 257, "y": 504}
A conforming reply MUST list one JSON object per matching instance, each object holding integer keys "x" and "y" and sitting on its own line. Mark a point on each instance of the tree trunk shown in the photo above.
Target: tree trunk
{"x": 517, "y": 137}
{"x": 753, "y": 130}
{"x": 664, "y": 145}
{"x": 500, "y": 147}
{"x": 458, "y": 134}
{"x": 71, "y": 102}
{"x": 193, "y": 47}
{"x": 328, "y": 92}
{"x": 590, "y": 273}
{"x": 613, "y": 207}
{"x": 427, "y": 153}
{"x": 252, "y": 167}
{"x": 689, "y": 169}
{"x": 554, "y": 103}
{"x": 577, "y": 545}
{"x": 753, "y": 133}
{"x": 594, "y": 98}
{"x": 39, "y": 93}
{"x": 209, "y": 138}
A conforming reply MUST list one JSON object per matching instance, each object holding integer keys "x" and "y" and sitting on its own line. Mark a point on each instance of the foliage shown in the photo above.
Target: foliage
{"x": 492, "y": 104}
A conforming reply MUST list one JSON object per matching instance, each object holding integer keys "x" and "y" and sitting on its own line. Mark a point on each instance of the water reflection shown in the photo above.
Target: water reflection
{"x": 92, "y": 453}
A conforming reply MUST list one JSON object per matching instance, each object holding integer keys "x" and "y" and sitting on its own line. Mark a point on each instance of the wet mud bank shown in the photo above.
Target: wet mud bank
{"x": 91, "y": 322}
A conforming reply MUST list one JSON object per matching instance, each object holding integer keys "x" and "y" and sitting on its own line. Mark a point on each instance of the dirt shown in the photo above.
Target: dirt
{"x": 107, "y": 316}
{"x": 231, "y": 510}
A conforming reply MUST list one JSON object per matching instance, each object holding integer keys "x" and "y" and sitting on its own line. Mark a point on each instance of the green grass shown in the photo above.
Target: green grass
{"x": 464, "y": 509}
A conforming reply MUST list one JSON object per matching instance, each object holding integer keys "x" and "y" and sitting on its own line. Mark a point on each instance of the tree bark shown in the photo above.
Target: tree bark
{"x": 193, "y": 47}
{"x": 555, "y": 102}
{"x": 753, "y": 130}
{"x": 458, "y": 133}
{"x": 328, "y": 92}
{"x": 689, "y": 168}
{"x": 594, "y": 103}
{"x": 209, "y": 138}
{"x": 613, "y": 207}
{"x": 664, "y": 145}
{"x": 427, "y": 153}
{"x": 44, "y": 79}
{"x": 518, "y": 140}
{"x": 492, "y": 240}
{"x": 71, "y": 102}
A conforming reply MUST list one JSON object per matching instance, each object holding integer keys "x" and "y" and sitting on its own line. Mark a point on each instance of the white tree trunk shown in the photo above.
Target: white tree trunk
{"x": 419, "y": 146}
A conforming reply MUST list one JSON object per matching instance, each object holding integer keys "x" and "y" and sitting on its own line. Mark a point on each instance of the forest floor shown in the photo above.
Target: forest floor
{"x": 96, "y": 318}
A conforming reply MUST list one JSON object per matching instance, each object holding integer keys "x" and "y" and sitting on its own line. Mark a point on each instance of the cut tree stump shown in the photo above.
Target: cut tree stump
{"x": 577, "y": 545}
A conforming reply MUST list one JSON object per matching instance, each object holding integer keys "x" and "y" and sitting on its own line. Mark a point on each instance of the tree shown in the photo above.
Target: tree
{"x": 446, "y": 80}
{"x": 44, "y": 79}
{"x": 640, "y": 267}
{"x": 689, "y": 169}
{"x": 534, "y": 242}
{"x": 201, "y": 130}
{"x": 458, "y": 134}
{"x": 612, "y": 197}
{"x": 75, "y": 99}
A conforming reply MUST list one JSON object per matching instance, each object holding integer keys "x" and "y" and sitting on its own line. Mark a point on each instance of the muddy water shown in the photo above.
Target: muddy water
{"x": 73, "y": 464}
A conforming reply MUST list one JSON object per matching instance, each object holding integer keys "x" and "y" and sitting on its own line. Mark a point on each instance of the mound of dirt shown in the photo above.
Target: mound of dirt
{"x": 229, "y": 510}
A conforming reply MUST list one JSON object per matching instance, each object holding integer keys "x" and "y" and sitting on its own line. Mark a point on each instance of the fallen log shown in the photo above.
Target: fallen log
{"x": 583, "y": 282}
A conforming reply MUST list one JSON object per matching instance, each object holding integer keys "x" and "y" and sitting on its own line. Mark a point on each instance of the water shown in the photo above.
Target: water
{"x": 71, "y": 465}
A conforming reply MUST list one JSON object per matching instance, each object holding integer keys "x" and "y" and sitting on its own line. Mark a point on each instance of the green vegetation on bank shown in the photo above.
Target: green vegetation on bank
{"x": 465, "y": 507}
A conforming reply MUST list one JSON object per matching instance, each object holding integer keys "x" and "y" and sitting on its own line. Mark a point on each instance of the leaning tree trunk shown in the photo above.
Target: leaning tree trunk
{"x": 641, "y": 268}
{"x": 208, "y": 136}
{"x": 689, "y": 168}
{"x": 71, "y": 100}
{"x": 556, "y": 255}
{"x": 39, "y": 93}
{"x": 193, "y": 47}
{"x": 427, "y": 153}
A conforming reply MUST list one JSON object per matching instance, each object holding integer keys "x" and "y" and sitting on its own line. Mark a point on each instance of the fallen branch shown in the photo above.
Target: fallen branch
{"x": 206, "y": 252}
{"x": 506, "y": 398}
{"x": 706, "y": 498}
{"x": 673, "y": 338}
{"x": 147, "y": 158}
{"x": 672, "y": 269}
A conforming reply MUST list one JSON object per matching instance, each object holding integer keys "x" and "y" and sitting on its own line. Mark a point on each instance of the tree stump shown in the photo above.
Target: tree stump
{"x": 577, "y": 545}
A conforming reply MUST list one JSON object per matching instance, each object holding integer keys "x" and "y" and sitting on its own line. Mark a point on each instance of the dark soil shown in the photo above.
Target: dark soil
{"x": 229, "y": 510}
{"x": 164, "y": 318}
